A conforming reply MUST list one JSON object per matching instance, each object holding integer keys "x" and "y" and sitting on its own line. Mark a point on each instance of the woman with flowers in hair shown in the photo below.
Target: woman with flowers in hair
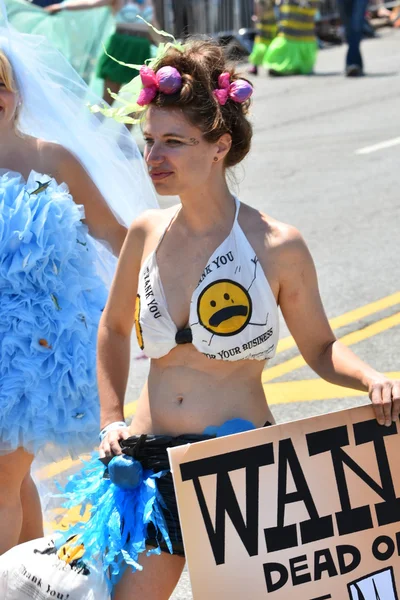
{"x": 200, "y": 284}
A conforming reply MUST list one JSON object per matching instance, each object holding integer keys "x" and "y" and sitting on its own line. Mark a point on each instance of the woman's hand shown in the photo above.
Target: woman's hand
{"x": 110, "y": 444}
{"x": 384, "y": 394}
{"x": 54, "y": 8}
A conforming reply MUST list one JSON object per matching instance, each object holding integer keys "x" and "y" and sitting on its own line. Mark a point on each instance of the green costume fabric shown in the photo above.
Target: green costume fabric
{"x": 287, "y": 57}
{"x": 126, "y": 48}
{"x": 266, "y": 28}
{"x": 294, "y": 50}
{"x": 78, "y": 34}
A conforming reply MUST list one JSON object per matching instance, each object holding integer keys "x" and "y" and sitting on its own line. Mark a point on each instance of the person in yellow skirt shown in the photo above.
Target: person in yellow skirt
{"x": 294, "y": 49}
{"x": 266, "y": 28}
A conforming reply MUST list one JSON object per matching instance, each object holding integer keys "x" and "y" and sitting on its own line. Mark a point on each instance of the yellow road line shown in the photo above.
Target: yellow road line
{"x": 66, "y": 464}
{"x": 305, "y": 390}
{"x": 348, "y": 340}
{"x": 350, "y": 317}
{"x": 308, "y": 390}
{"x": 56, "y": 468}
{"x": 276, "y": 393}
{"x": 63, "y": 518}
{"x": 130, "y": 409}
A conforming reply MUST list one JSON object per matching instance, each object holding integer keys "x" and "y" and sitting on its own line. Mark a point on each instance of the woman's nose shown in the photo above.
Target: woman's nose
{"x": 153, "y": 155}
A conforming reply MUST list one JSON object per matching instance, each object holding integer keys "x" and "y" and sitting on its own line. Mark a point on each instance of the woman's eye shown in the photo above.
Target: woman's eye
{"x": 174, "y": 142}
{"x": 148, "y": 141}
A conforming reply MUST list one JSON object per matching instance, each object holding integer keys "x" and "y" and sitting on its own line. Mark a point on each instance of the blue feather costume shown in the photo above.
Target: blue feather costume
{"x": 117, "y": 529}
{"x": 125, "y": 500}
{"x": 51, "y": 298}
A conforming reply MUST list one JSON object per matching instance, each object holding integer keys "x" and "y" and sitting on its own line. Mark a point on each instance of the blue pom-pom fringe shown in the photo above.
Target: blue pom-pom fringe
{"x": 117, "y": 528}
{"x": 125, "y": 471}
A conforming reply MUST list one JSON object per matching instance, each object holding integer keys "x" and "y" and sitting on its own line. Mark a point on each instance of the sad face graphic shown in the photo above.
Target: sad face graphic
{"x": 224, "y": 307}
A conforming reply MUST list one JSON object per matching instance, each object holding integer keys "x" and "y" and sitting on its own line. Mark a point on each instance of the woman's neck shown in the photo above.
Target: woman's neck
{"x": 17, "y": 152}
{"x": 208, "y": 207}
{"x": 10, "y": 141}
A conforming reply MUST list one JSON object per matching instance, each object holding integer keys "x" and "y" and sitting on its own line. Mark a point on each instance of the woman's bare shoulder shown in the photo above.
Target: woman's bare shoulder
{"x": 265, "y": 229}
{"x": 144, "y": 233}
{"x": 54, "y": 158}
{"x": 151, "y": 224}
{"x": 154, "y": 218}
{"x": 55, "y": 154}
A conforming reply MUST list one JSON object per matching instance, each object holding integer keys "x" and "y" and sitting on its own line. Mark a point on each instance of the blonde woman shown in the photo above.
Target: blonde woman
{"x": 56, "y": 200}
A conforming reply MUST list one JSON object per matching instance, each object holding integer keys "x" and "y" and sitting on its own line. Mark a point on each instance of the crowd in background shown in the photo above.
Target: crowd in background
{"x": 287, "y": 41}
{"x": 281, "y": 36}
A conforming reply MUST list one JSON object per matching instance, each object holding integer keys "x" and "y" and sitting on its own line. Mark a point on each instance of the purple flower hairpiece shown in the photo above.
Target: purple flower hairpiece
{"x": 167, "y": 80}
{"x": 238, "y": 91}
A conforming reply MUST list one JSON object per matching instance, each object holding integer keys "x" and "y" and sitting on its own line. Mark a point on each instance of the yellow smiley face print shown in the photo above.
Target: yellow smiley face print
{"x": 224, "y": 307}
{"x": 71, "y": 550}
{"x": 138, "y": 328}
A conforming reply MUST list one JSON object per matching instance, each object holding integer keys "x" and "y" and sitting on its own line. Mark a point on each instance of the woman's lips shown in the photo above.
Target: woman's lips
{"x": 159, "y": 175}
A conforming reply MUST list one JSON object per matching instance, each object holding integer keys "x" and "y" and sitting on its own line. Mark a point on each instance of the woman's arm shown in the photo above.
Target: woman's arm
{"x": 101, "y": 221}
{"x": 114, "y": 338}
{"x": 77, "y": 5}
{"x": 304, "y": 314}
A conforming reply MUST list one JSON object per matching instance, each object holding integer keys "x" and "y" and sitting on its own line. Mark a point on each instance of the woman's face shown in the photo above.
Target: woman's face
{"x": 8, "y": 106}
{"x": 178, "y": 158}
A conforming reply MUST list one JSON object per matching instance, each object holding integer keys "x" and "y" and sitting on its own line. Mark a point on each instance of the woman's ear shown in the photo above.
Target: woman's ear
{"x": 223, "y": 146}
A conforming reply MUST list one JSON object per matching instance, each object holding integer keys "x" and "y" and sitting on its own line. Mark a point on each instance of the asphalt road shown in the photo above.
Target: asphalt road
{"x": 305, "y": 169}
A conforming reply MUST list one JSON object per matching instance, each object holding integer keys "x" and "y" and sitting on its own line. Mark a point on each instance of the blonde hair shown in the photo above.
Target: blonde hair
{"x": 6, "y": 73}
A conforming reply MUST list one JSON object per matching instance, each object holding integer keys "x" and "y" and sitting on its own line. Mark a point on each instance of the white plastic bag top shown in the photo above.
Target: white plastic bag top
{"x": 37, "y": 571}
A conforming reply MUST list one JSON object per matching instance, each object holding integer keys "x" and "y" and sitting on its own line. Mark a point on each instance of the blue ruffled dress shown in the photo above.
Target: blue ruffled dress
{"x": 51, "y": 299}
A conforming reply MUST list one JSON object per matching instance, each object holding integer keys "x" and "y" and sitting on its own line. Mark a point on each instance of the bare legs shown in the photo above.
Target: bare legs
{"x": 157, "y": 581}
{"x": 32, "y": 520}
{"x": 19, "y": 501}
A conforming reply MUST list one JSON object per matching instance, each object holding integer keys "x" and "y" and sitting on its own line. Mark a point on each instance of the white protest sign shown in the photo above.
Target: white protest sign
{"x": 307, "y": 510}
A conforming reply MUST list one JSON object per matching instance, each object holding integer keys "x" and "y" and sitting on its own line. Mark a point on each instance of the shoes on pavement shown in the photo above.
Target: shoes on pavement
{"x": 253, "y": 70}
{"x": 273, "y": 73}
{"x": 354, "y": 71}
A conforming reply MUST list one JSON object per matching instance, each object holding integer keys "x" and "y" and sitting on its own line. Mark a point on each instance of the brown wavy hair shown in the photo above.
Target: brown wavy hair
{"x": 200, "y": 64}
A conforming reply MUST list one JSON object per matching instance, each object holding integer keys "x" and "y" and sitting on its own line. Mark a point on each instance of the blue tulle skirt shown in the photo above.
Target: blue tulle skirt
{"x": 51, "y": 298}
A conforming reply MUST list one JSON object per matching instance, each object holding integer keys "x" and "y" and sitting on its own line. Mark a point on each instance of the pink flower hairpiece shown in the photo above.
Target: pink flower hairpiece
{"x": 238, "y": 91}
{"x": 167, "y": 80}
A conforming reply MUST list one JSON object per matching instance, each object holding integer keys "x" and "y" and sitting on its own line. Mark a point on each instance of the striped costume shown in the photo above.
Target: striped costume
{"x": 294, "y": 50}
{"x": 266, "y": 28}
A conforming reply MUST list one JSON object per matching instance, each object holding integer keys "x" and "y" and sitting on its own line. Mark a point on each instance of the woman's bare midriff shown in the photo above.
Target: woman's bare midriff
{"x": 186, "y": 392}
